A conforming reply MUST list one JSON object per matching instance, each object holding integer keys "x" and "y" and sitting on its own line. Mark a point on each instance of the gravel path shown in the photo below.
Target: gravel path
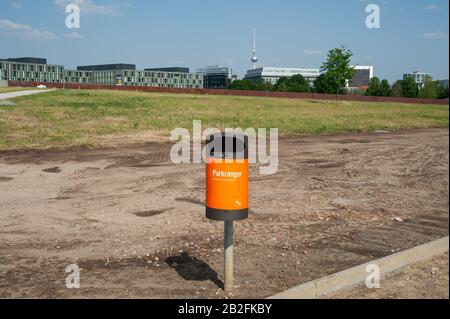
{"x": 11, "y": 95}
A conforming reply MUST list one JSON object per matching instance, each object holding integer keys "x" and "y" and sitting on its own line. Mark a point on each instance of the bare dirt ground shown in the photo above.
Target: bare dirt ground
{"x": 134, "y": 223}
{"x": 424, "y": 280}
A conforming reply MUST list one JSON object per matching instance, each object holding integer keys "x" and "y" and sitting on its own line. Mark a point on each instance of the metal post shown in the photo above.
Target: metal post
{"x": 228, "y": 282}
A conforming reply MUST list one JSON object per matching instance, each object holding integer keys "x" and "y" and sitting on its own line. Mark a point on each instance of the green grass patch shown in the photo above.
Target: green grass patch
{"x": 72, "y": 117}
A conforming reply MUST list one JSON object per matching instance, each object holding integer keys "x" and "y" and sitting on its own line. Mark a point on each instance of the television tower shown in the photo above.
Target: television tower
{"x": 254, "y": 58}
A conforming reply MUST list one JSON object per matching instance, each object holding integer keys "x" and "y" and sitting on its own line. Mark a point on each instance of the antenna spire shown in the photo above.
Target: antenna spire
{"x": 254, "y": 58}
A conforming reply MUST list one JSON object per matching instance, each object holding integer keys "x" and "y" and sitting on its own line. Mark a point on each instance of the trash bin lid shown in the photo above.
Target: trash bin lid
{"x": 230, "y": 146}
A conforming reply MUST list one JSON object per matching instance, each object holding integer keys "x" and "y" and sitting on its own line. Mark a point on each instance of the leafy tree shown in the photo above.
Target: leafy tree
{"x": 241, "y": 85}
{"x": 443, "y": 92}
{"x": 397, "y": 89}
{"x": 409, "y": 87}
{"x": 374, "y": 87}
{"x": 336, "y": 70}
{"x": 322, "y": 85}
{"x": 282, "y": 85}
{"x": 296, "y": 83}
{"x": 248, "y": 85}
{"x": 378, "y": 88}
{"x": 385, "y": 88}
{"x": 261, "y": 85}
{"x": 429, "y": 90}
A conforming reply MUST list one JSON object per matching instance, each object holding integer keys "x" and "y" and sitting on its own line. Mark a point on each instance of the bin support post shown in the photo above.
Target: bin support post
{"x": 228, "y": 282}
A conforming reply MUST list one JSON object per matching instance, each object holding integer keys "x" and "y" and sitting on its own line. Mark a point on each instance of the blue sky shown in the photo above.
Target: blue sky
{"x": 291, "y": 33}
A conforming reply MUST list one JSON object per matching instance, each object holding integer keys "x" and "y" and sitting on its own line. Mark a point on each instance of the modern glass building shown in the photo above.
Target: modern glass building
{"x": 73, "y": 76}
{"x": 176, "y": 69}
{"x": 29, "y": 70}
{"x": 217, "y": 76}
{"x": 37, "y": 70}
{"x": 361, "y": 77}
{"x": 160, "y": 79}
{"x": 272, "y": 75}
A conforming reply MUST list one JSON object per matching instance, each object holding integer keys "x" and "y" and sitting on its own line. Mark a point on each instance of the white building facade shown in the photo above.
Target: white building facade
{"x": 272, "y": 75}
{"x": 418, "y": 77}
{"x": 362, "y": 76}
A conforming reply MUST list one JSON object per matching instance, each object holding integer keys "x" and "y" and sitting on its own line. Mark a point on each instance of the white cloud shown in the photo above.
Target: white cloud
{"x": 16, "y": 4}
{"x": 313, "y": 51}
{"x": 433, "y": 7}
{"x": 438, "y": 35}
{"x": 73, "y": 35}
{"x": 9, "y": 28}
{"x": 89, "y": 7}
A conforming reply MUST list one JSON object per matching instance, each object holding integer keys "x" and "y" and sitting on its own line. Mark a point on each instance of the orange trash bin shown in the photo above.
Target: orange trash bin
{"x": 227, "y": 177}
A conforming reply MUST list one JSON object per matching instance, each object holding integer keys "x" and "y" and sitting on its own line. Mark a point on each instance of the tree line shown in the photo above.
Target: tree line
{"x": 335, "y": 72}
{"x": 408, "y": 88}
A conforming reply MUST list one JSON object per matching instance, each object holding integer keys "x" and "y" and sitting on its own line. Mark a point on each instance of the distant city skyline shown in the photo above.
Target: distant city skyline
{"x": 413, "y": 34}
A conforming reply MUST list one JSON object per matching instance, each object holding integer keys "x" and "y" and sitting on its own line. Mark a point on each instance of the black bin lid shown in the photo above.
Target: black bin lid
{"x": 227, "y": 146}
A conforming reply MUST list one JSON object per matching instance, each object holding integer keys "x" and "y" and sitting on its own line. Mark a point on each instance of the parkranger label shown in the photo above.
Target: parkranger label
{"x": 224, "y": 174}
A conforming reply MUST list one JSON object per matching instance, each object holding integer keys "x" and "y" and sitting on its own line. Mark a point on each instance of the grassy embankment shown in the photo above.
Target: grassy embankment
{"x": 71, "y": 117}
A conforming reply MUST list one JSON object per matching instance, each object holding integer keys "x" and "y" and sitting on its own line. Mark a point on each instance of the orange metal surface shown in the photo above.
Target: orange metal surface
{"x": 227, "y": 184}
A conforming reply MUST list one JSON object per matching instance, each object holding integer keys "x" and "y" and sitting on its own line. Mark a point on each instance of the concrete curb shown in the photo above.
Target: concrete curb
{"x": 353, "y": 276}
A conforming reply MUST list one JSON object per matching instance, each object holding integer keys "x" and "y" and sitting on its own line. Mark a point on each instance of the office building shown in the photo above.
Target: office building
{"x": 272, "y": 75}
{"x": 30, "y": 69}
{"x": 170, "y": 69}
{"x": 216, "y": 76}
{"x": 361, "y": 77}
{"x": 29, "y": 60}
{"x": 419, "y": 77}
{"x": 75, "y": 76}
{"x": 37, "y": 70}
{"x": 107, "y": 67}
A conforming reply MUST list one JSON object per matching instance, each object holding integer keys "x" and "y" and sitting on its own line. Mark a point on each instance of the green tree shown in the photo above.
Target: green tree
{"x": 378, "y": 88}
{"x": 282, "y": 85}
{"x": 374, "y": 87}
{"x": 296, "y": 83}
{"x": 443, "y": 91}
{"x": 248, "y": 85}
{"x": 429, "y": 90}
{"x": 385, "y": 88}
{"x": 261, "y": 85}
{"x": 337, "y": 70}
{"x": 241, "y": 85}
{"x": 322, "y": 85}
{"x": 409, "y": 87}
{"x": 397, "y": 89}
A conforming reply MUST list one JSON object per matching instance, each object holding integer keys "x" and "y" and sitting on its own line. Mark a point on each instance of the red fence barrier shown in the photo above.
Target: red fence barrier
{"x": 310, "y": 96}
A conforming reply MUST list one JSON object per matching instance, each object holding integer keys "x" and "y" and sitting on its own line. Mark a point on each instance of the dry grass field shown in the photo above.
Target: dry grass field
{"x": 81, "y": 118}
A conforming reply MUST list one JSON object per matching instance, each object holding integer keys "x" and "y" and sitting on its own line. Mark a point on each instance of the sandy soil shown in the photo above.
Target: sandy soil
{"x": 425, "y": 280}
{"x": 134, "y": 223}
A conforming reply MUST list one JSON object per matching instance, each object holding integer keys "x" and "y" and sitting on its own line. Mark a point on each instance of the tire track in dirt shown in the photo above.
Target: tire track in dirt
{"x": 336, "y": 202}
